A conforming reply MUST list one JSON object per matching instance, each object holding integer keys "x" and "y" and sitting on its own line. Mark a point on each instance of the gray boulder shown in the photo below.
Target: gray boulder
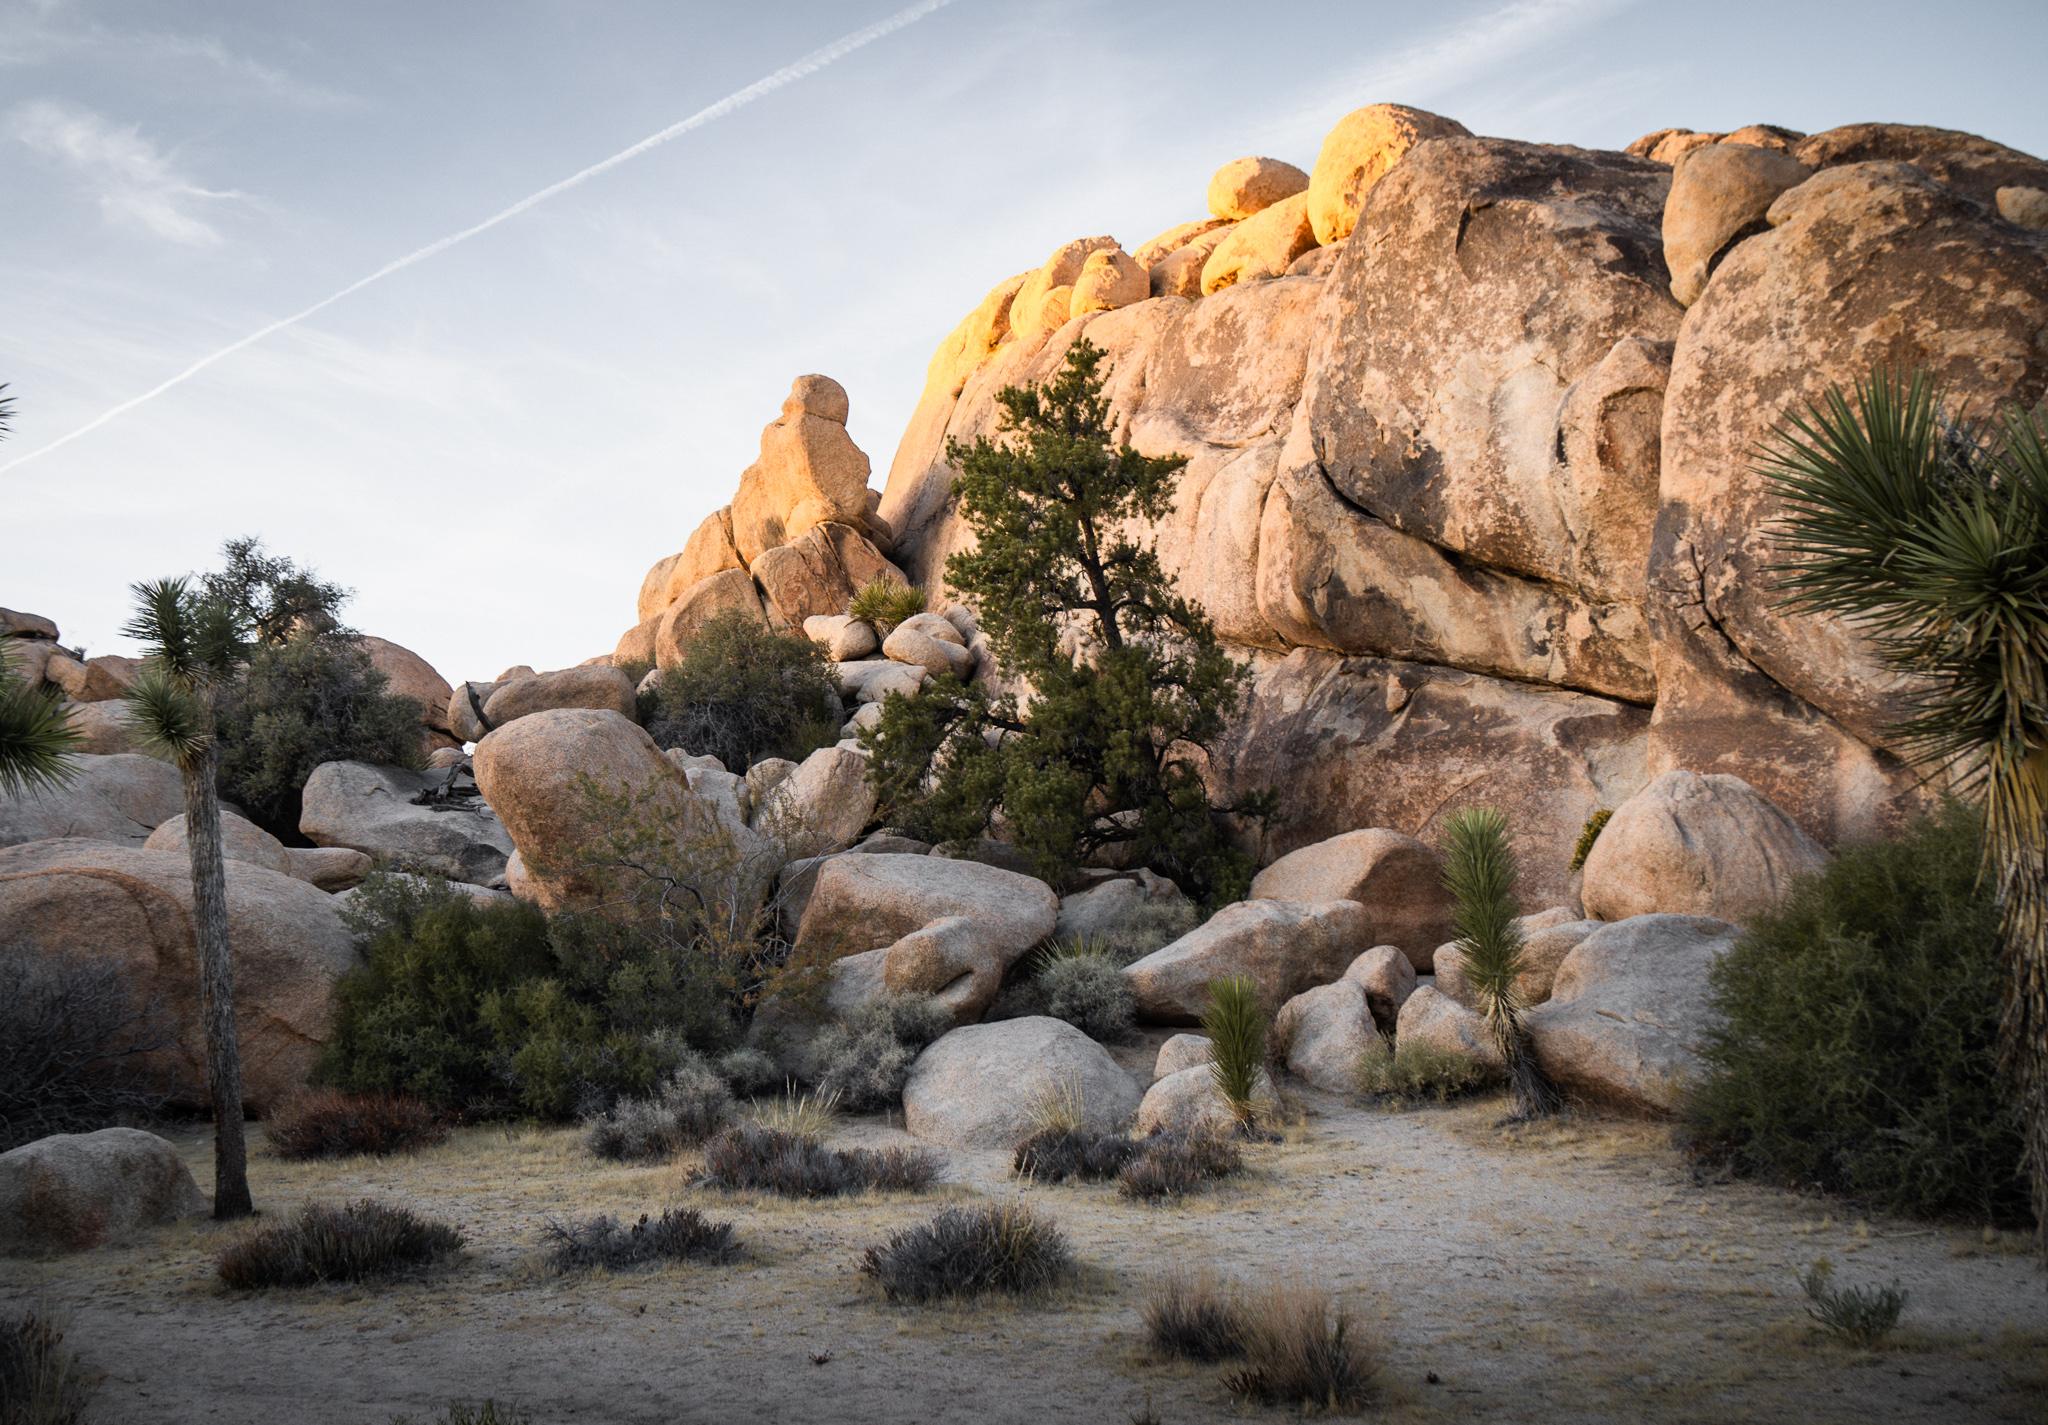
{"x": 982, "y": 1086}
{"x": 373, "y": 810}
{"x": 1284, "y": 947}
{"x": 74, "y": 1191}
{"x": 118, "y": 796}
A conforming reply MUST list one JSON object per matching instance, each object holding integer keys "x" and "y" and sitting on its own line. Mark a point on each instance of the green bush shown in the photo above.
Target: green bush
{"x": 1412, "y": 1073}
{"x": 1859, "y": 1315}
{"x": 1086, "y": 988}
{"x": 1857, "y": 1047}
{"x": 742, "y": 693}
{"x": 491, "y": 1008}
{"x": 886, "y": 603}
{"x": 299, "y": 703}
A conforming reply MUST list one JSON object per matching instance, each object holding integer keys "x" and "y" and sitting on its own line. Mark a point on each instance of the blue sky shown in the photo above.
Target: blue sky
{"x": 492, "y": 446}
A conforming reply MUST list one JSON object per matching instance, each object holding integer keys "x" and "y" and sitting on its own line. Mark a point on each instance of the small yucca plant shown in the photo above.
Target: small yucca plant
{"x": 886, "y": 603}
{"x": 1236, "y": 1025}
{"x": 37, "y": 740}
{"x": 1480, "y": 872}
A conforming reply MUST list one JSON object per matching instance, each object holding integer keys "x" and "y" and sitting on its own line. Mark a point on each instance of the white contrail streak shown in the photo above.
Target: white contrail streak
{"x": 810, "y": 64}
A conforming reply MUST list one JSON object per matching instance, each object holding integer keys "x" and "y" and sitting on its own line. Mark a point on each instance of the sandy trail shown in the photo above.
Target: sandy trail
{"x": 1573, "y": 1272}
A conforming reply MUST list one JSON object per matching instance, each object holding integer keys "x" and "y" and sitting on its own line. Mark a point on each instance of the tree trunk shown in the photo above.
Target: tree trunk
{"x": 216, "y": 986}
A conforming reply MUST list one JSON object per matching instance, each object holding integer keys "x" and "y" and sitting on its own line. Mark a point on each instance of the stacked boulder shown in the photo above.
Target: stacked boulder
{"x": 800, "y": 538}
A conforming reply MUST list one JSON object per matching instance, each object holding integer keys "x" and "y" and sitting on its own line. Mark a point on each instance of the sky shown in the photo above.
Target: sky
{"x": 491, "y": 443}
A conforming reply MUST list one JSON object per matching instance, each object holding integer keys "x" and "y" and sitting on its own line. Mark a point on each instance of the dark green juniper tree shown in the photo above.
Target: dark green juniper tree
{"x": 1129, "y": 685}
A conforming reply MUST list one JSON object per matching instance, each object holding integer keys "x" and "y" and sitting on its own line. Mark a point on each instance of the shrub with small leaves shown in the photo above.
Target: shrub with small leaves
{"x": 743, "y": 692}
{"x": 1402, "y": 1074}
{"x": 41, "y": 1380}
{"x": 749, "y": 1157}
{"x": 966, "y": 1251}
{"x": 1301, "y": 1348}
{"x": 74, "y": 1036}
{"x": 331, "y": 1124}
{"x": 1174, "y": 1163}
{"x": 886, "y": 603}
{"x": 866, "y": 1058}
{"x": 1086, "y": 988}
{"x": 749, "y": 1072}
{"x": 358, "y": 1241}
{"x": 691, "y": 1105}
{"x": 1862, "y": 1316}
{"x": 1194, "y": 1316}
{"x": 679, "y": 1234}
{"x": 1588, "y": 834}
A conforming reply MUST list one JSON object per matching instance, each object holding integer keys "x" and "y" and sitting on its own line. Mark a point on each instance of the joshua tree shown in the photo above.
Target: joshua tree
{"x": 1479, "y": 870}
{"x": 1931, "y": 534}
{"x": 193, "y": 645}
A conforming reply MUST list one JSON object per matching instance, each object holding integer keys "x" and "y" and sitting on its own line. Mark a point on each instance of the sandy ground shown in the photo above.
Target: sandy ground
{"x": 1569, "y": 1273}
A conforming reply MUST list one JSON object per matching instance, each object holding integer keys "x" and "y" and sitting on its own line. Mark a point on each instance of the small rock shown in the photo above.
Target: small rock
{"x": 1245, "y": 186}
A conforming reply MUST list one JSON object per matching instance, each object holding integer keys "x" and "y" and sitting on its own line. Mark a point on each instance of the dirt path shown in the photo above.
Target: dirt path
{"x": 1570, "y": 1274}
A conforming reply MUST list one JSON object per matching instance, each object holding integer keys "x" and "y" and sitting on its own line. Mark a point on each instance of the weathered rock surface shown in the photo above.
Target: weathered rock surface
{"x": 1693, "y": 845}
{"x": 330, "y": 868}
{"x": 1110, "y": 278}
{"x": 819, "y": 572}
{"x": 1357, "y": 153}
{"x": 1543, "y": 950}
{"x": 118, "y": 796}
{"x": 1972, "y": 166}
{"x": 823, "y": 805}
{"x": 1624, "y": 1022}
{"x": 1396, "y": 878}
{"x": 1387, "y": 976}
{"x": 104, "y": 728}
{"x": 582, "y": 687}
{"x": 1719, "y": 195}
{"x": 709, "y": 550}
{"x": 1436, "y": 1021}
{"x": 1119, "y": 907}
{"x": 75, "y": 1191}
{"x": 373, "y": 810}
{"x": 1283, "y": 947}
{"x": 728, "y": 592}
{"x": 809, "y": 472}
{"x": 1188, "y": 1101}
{"x": 1182, "y": 1051}
{"x": 1264, "y": 245}
{"x": 95, "y": 680}
{"x": 79, "y": 898}
{"x": 1327, "y": 1031}
{"x": 407, "y": 675}
{"x": 1245, "y": 186}
{"x": 978, "y": 1086}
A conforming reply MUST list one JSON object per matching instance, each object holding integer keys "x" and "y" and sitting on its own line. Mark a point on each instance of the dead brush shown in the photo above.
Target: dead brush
{"x": 1303, "y": 1349}
{"x": 753, "y": 1157}
{"x": 41, "y": 1381}
{"x": 1172, "y": 1164}
{"x": 358, "y": 1241}
{"x": 332, "y": 1124}
{"x": 1195, "y": 1316}
{"x": 970, "y": 1251}
{"x": 603, "y": 1241}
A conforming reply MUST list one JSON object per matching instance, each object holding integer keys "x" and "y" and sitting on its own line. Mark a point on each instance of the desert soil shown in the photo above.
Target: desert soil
{"x": 1573, "y": 1272}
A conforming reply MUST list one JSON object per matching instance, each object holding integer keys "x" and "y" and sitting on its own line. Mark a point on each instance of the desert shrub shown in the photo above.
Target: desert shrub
{"x": 1174, "y": 1163}
{"x": 1194, "y": 1316}
{"x": 749, "y": 1072}
{"x": 967, "y": 1251}
{"x": 691, "y": 1105}
{"x": 866, "y": 1058}
{"x": 307, "y": 700}
{"x": 462, "y": 1413}
{"x": 750, "y": 1157}
{"x": 1086, "y": 988}
{"x": 358, "y": 1241}
{"x": 1235, "y": 1022}
{"x": 1588, "y": 834}
{"x": 1857, "y": 1044}
{"x": 886, "y": 603}
{"x": 742, "y": 693}
{"x": 331, "y": 1124}
{"x": 1301, "y": 1348}
{"x": 1062, "y": 1153}
{"x": 72, "y": 1036}
{"x": 41, "y": 1380}
{"x": 805, "y": 1115}
{"x": 1147, "y": 928}
{"x": 679, "y": 1234}
{"x": 1862, "y": 1316}
{"x": 1480, "y": 872}
{"x": 492, "y": 1008}
{"x": 1400, "y": 1073}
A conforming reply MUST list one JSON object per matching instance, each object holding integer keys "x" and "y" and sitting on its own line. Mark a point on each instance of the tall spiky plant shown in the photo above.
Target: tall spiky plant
{"x": 1480, "y": 873}
{"x": 192, "y": 645}
{"x": 1931, "y": 535}
{"x": 1235, "y": 1022}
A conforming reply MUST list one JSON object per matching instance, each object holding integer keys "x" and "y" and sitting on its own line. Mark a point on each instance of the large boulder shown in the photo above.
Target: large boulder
{"x": 1543, "y": 950}
{"x": 809, "y": 472}
{"x": 1245, "y": 186}
{"x": 92, "y": 680}
{"x": 1631, "y": 1004}
{"x": 819, "y": 572}
{"x": 104, "y": 728}
{"x": 1970, "y": 165}
{"x": 709, "y": 551}
{"x": 1719, "y": 195}
{"x": 16, "y": 624}
{"x": 1864, "y": 265}
{"x": 1262, "y": 246}
{"x": 1188, "y": 1101}
{"x": 950, "y": 929}
{"x": 119, "y": 796}
{"x": 1357, "y": 153}
{"x": 1693, "y": 845}
{"x": 1387, "y": 976}
{"x": 981, "y": 1086}
{"x": 1283, "y": 947}
{"x": 378, "y": 811}
{"x": 89, "y": 899}
{"x": 823, "y": 805}
{"x": 580, "y": 687}
{"x": 408, "y": 675}
{"x": 1027, "y": 305}
{"x": 1327, "y": 1032}
{"x": 74, "y": 1191}
{"x": 1179, "y": 273}
{"x": 1109, "y": 279}
{"x": 1396, "y": 878}
{"x": 331, "y": 868}
{"x": 731, "y": 591}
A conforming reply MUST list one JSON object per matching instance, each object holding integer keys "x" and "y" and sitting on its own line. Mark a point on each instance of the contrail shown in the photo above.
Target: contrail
{"x": 810, "y": 64}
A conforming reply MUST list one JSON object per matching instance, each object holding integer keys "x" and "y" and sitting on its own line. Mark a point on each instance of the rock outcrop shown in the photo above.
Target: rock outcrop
{"x": 379, "y": 811}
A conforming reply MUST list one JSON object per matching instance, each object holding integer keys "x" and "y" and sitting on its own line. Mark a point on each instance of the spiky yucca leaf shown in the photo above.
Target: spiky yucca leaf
{"x": 1480, "y": 873}
{"x": 36, "y": 737}
{"x": 169, "y": 716}
{"x": 195, "y": 639}
{"x": 1235, "y": 1022}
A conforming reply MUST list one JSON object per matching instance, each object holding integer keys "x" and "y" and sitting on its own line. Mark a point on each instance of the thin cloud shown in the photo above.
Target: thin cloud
{"x": 40, "y": 33}
{"x": 135, "y": 184}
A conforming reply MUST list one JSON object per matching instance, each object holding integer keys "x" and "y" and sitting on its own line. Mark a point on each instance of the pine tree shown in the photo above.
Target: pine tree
{"x": 1129, "y": 686}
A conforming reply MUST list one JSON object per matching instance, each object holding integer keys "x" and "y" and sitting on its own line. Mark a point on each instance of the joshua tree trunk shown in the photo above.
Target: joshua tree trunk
{"x": 216, "y": 984}
{"x": 2023, "y": 1028}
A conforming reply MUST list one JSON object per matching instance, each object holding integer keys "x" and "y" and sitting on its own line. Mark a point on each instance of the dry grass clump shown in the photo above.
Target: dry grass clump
{"x": 679, "y": 1234}
{"x": 41, "y": 1382}
{"x": 805, "y": 1115}
{"x": 1195, "y": 1316}
{"x": 965, "y": 1251}
{"x": 1399, "y": 1075}
{"x": 1861, "y": 1316}
{"x": 329, "y": 1123}
{"x": 886, "y": 603}
{"x": 358, "y": 1241}
{"x": 753, "y": 1157}
{"x": 1298, "y": 1347}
